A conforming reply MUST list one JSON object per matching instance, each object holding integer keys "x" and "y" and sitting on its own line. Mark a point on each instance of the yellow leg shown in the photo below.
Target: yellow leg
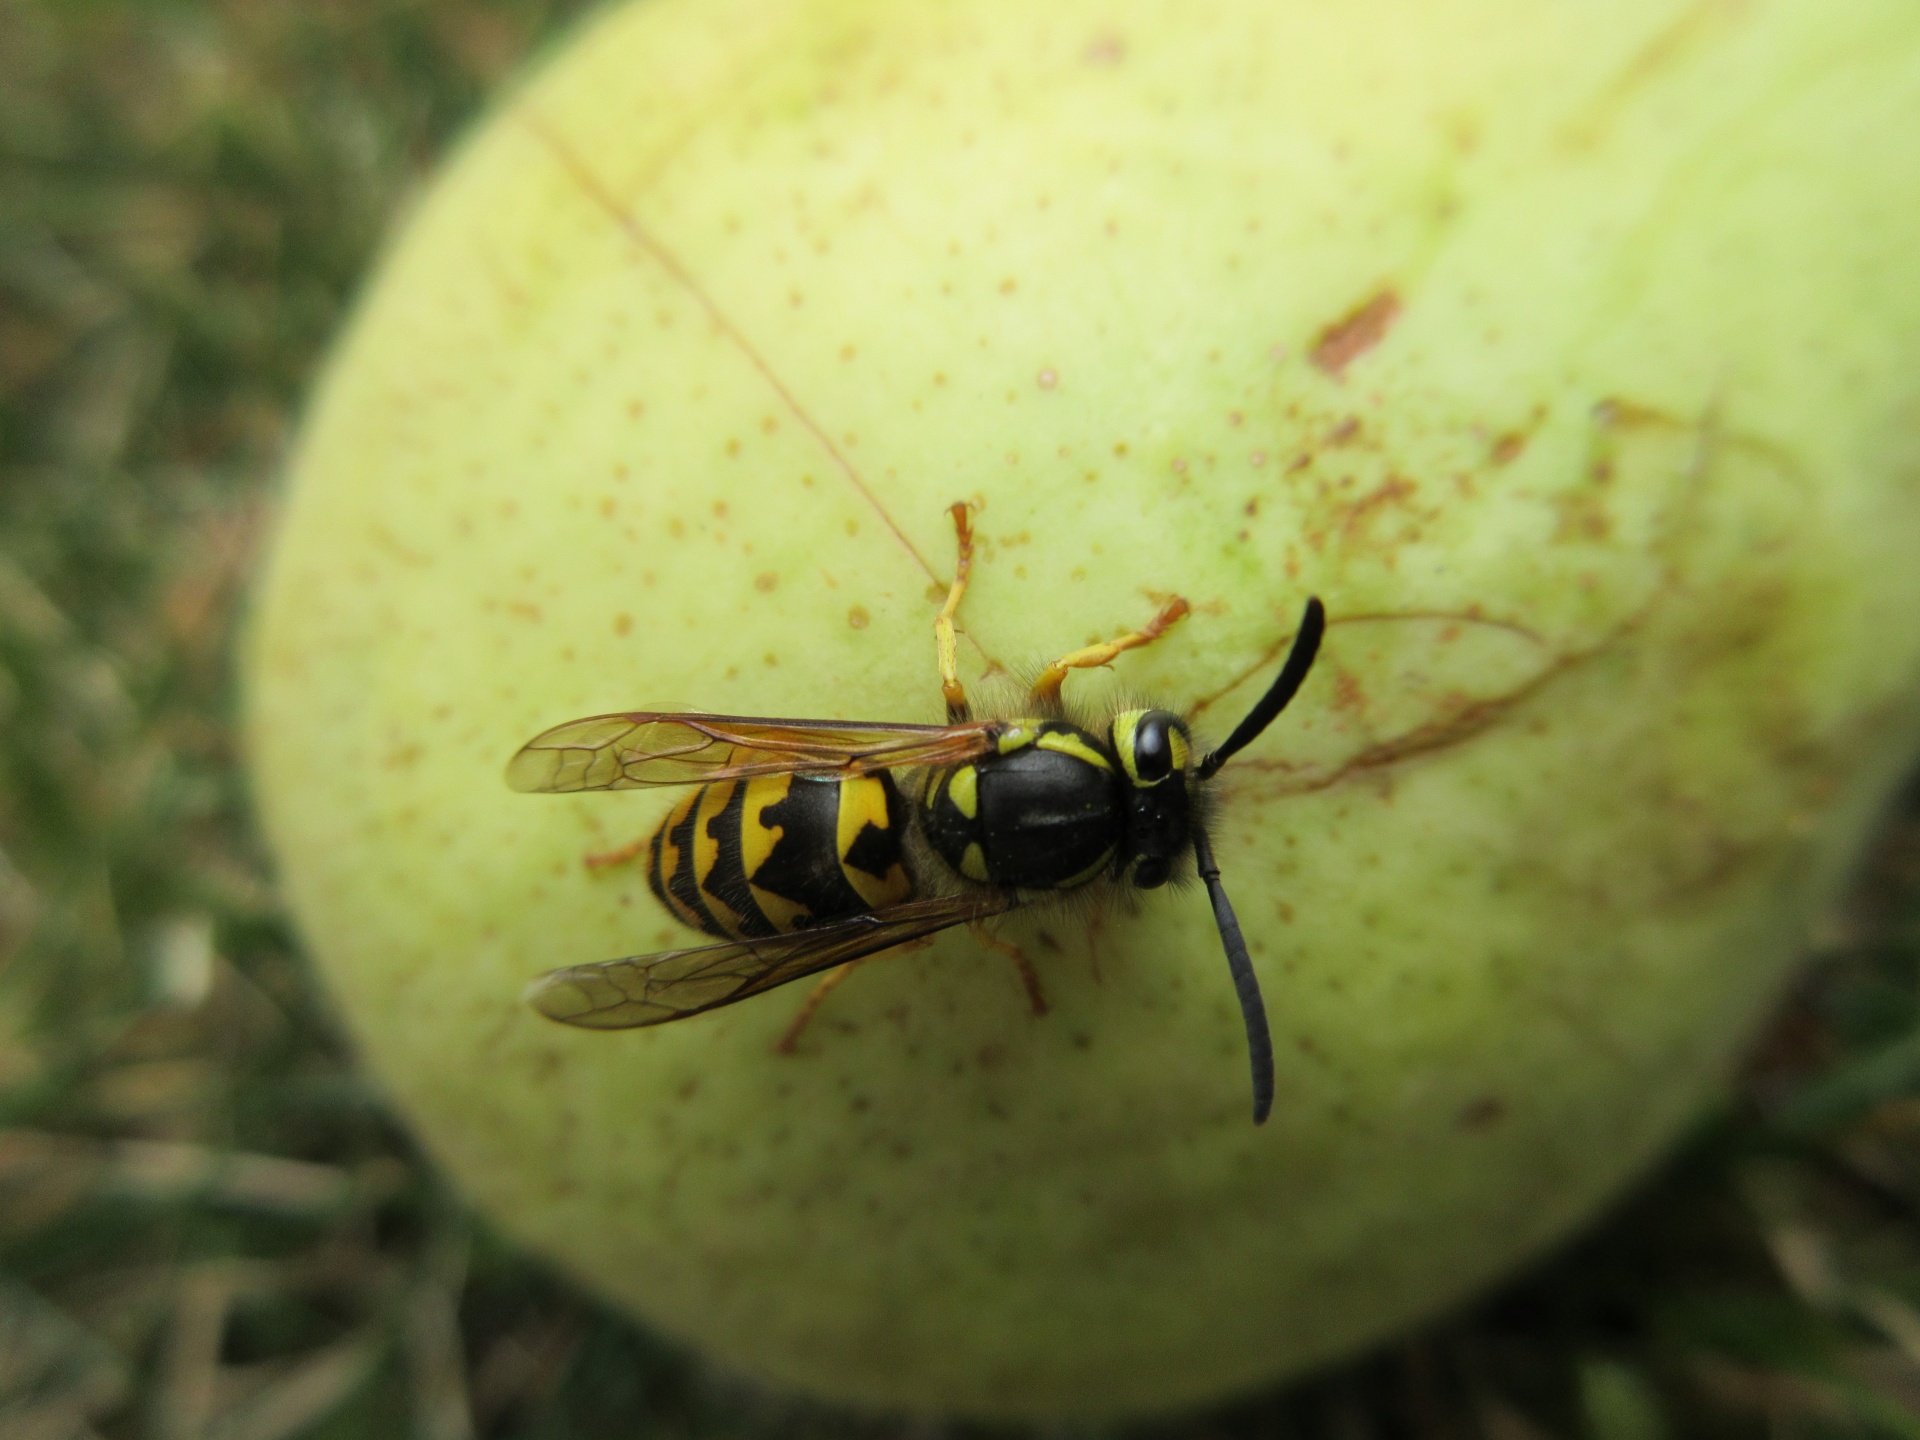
{"x": 1047, "y": 688}
{"x": 957, "y": 709}
{"x": 606, "y": 859}
{"x": 1029, "y": 977}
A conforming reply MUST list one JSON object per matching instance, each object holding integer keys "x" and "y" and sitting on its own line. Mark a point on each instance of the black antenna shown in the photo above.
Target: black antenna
{"x": 1253, "y": 1009}
{"x": 1306, "y": 644}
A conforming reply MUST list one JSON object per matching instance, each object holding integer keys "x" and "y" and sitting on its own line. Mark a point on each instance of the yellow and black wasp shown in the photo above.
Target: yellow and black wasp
{"x": 808, "y": 845}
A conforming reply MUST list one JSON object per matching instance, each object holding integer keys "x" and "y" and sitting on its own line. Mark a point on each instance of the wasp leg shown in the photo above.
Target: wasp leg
{"x": 957, "y": 707}
{"x": 607, "y": 859}
{"x": 1046, "y": 689}
{"x": 1029, "y": 977}
{"x": 1095, "y": 927}
{"x": 830, "y": 982}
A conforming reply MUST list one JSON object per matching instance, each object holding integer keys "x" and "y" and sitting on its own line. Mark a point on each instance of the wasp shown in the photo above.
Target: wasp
{"x": 809, "y": 845}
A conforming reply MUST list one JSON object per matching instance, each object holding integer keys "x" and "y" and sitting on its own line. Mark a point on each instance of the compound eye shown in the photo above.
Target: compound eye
{"x": 1152, "y": 871}
{"x": 1152, "y": 750}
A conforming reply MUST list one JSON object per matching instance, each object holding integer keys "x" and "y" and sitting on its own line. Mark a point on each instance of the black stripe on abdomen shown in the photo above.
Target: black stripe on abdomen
{"x": 670, "y": 866}
{"x": 768, "y": 856}
{"x": 799, "y": 882}
{"x": 724, "y": 880}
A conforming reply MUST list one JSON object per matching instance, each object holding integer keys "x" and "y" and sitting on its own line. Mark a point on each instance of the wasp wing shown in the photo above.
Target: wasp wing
{"x": 653, "y": 989}
{"x": 641, "y": 748}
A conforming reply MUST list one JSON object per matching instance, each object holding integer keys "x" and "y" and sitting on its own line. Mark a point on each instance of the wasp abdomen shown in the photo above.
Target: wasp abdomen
{"x": 1042, "y": 814}
{"x": 747, "y": 859}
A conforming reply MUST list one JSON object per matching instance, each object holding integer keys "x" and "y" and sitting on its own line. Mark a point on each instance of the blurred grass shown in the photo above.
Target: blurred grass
{"x": 211, "y": 1227}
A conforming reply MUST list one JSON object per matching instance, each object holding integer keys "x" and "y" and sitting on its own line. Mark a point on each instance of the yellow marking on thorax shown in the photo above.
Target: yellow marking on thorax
{"x": 973, "y": 863}
{"x": 963, "y": 788}
{"x": 1015, "y": 737}
{"x": 1073, "y": 881}
{"x": 757, "y": 839}
{"x": 706, "y": 852}
{"x": 1069, "y": 744}
{"x": 863, "y": 802}
{"x": 671, "y": 859}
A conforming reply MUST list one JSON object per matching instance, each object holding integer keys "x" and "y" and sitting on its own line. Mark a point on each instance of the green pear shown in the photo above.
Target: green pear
{"x": 1570, "y": 353}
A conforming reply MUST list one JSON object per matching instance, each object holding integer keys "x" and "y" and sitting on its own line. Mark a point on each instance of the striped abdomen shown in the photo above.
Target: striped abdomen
{"x": 752, "y": 858}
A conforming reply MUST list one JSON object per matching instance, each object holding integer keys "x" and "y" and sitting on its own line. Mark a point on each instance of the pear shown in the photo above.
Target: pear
{"x": 1569, "y": 353}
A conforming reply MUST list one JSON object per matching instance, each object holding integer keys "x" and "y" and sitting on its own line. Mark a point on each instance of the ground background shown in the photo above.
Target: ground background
{"x": 211, "y": 1227}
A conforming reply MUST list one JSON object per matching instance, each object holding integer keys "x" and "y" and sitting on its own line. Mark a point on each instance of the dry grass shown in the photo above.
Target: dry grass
{"x": 210, "y": 1227}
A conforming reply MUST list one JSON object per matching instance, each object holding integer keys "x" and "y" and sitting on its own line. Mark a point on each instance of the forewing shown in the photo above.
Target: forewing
{"x": 642, "y": 748}
{"x": 653, "y": 989}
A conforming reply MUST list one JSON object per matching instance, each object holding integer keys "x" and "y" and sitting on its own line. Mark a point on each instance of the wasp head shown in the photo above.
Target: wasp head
{"x": 1156, "y": 754}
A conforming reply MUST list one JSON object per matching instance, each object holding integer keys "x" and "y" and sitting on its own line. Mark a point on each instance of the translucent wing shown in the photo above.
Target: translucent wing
{"x": 653, "y": 989}
{"x": 641, "y": 748}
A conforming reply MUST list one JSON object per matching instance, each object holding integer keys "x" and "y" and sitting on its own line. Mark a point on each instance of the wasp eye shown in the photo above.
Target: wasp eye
{"x": 1152, "y": 872}
{"x": 1152, "y": 750}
